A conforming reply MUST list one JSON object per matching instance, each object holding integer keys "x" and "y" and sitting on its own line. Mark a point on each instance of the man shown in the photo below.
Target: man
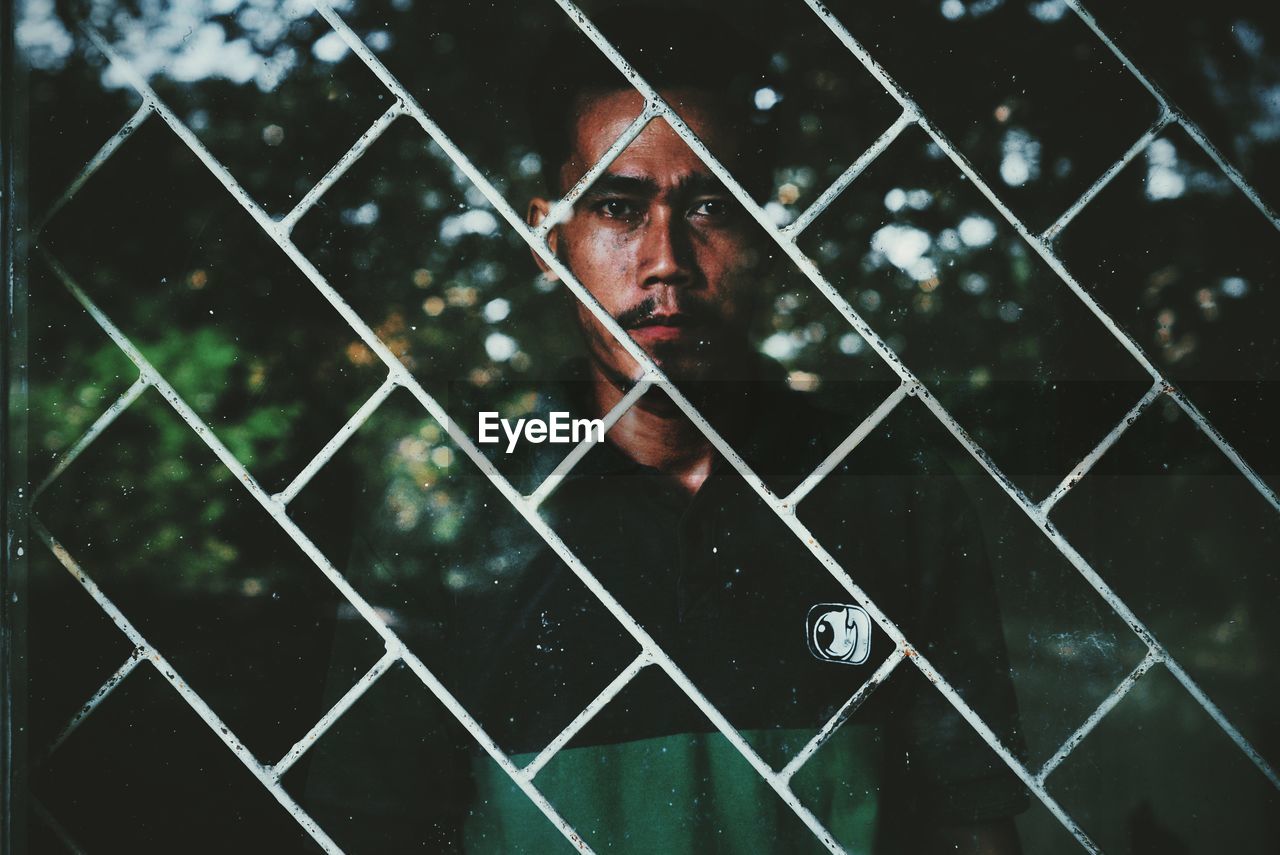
{"x": 685, "y": 546}
{"x": 671, "y": 256}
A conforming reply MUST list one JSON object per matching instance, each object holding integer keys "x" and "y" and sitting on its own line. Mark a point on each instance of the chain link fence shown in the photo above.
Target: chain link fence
{"x": 906, "y": 653}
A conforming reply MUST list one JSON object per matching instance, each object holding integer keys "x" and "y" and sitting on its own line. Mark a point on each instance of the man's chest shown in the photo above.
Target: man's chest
{"x": 745, "y": 610}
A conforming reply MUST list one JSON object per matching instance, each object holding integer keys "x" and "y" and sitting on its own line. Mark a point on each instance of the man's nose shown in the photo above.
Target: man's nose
{"x": 666, "y": 251}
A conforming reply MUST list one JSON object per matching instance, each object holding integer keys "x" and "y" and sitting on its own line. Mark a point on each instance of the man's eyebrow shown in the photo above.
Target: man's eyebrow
{"x": 692, "y": 184}
{"x": 626, "y": 185}
{"x": 700, "y": 184}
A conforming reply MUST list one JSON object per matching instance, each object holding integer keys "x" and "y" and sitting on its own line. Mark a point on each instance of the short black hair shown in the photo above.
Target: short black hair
{"x": 670, "y": 46}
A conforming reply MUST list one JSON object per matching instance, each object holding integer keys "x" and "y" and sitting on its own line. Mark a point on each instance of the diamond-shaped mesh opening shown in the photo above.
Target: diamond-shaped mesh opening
{"x": 753, "y": 341}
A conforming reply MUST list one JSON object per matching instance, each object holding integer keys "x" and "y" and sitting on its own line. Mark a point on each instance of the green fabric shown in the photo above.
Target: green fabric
{"x": 687, "y": 794}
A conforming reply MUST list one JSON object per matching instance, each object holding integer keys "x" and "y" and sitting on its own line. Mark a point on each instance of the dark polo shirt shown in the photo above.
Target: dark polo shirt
{"x": 726, "y": 589}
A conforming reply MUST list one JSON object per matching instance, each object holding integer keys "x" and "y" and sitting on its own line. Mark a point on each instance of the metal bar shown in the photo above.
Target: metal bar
{"x": 339, "y": 439}
{"x": 1222, "y": 721}
{"x": 95, "y": 163}
{"x": 1193, "y": 130}
{"x": 589, "y": 712}
{"x": 900, "y": 95}
{"x": 355, "y": 693}
{"x": 1166, "y": 116}
{"x": 56, "y": 827}
{"x": 1193, "y": 412}
{"x": 1107, "y": 705}
{"x": 100, "y": 424}
{"x": 1082, "y": 468}
{"x": 563, "y": 207}
{"x": 98, "y": 697}
{"x": 846, "y": 178}
{"x": 844, "y": 713}
{"x": 861, "y": 432}
{"x": 629, "y": 623}
{"x": 940, "y": 683}
{"x": 552, "y": 481}
{"x": 15, "y": 358}
{"x": 531, "y": 792}
{"x": 1190, "y": 127}
{"x": 368, "y": 138}
{"x": 167, "y": 671}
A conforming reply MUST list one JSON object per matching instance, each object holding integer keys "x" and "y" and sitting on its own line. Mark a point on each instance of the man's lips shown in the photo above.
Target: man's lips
{"x": 664, "y": 328}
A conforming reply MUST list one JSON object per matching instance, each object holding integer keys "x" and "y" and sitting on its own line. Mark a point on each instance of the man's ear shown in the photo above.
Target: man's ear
{"x": 537, "y": 212}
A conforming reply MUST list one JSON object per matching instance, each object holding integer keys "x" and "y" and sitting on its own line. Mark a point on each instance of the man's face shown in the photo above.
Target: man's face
{"x": 658, "y": 240}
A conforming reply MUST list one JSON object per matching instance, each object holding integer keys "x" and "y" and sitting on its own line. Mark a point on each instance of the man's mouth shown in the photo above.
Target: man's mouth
{"x": 670, "y": 327}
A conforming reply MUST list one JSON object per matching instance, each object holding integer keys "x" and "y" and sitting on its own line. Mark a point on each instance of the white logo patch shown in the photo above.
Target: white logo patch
{"x": 837, "y": 632}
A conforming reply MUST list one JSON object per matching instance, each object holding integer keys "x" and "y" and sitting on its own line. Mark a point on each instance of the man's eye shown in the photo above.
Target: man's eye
{"x": 716, "y": 209}
{"x": 618, "y": 209}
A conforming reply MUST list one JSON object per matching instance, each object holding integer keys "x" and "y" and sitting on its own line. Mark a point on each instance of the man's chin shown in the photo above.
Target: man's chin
{"x": 684, "y": 360}
{"x": 688, "y": 363}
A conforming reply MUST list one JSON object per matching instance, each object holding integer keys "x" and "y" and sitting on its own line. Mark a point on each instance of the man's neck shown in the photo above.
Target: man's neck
{"x": 657, "y": 434}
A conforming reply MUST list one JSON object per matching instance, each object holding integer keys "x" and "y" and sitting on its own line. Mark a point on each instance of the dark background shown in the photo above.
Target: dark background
{"x": 1171, "y": 250}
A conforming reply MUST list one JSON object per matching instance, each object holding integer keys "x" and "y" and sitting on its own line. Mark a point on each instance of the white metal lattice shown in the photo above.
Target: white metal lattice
{"x": 279, "y": 230}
